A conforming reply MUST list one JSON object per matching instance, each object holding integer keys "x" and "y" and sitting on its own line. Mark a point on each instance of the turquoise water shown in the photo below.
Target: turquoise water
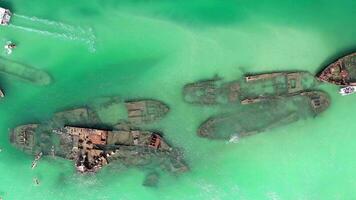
{"x": 151, "y": 49}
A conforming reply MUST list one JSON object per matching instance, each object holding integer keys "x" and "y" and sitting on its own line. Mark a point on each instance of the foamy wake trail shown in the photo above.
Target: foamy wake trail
{"x": 234, "y": 139}
{"x": 60, "y": 30}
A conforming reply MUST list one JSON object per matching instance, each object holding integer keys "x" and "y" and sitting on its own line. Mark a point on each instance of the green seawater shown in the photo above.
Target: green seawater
{"x": 150, "y": 49}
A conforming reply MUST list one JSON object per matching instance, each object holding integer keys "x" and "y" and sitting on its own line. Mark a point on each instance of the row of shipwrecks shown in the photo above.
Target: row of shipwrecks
{"x": 261, "y": 102}
{"x": 73, "y": 135}
{"x": 270, "y": 100}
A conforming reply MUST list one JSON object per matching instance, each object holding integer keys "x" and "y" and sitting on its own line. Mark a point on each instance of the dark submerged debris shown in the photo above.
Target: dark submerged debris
{"x": 151, "y": 180}
{"x": 36, "y": 181}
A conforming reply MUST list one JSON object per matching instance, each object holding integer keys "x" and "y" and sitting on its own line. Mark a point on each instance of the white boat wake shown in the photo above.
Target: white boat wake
{"x": 234, "y": 139}
{"x": 57, "y": 30}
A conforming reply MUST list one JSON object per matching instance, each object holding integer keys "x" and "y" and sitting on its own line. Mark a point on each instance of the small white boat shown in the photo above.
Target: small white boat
{"x": 5, "y": 16}
{"x": 347, "y": 90}
{"x": 9, "y": 46}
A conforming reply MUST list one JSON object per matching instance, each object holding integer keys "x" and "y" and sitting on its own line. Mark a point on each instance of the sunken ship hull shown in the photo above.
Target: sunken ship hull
{"x": 92, "y": 149}
{"x": 81, "y": 135}
{"x": 145, "y": 111}
{"x": 112, "y": 110}
{"x": 264, "y": 115}
{"x": 215, "y": 91}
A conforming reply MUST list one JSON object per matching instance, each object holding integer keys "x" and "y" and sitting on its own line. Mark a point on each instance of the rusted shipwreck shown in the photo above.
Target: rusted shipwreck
{"x": 81, "y": 135}
{"x": 341, "y": 72}
{"x": 92, "y": 149}
{"x": 216, "y": 91}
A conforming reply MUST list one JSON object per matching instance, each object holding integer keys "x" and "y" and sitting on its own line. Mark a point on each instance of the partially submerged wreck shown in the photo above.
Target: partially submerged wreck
{"x": 342, "y": 72}
{"x": 215, "y": 91}
{"x": 276, "y": 84}
{"x": 211, "y": 91}
{"x": 83, "y": 116}
{"x": 267, "y": 100}
{"x": 263, "y": 115}
{"x": 78, "y": 135}
{"x": 112, "y": 110}
{"x": 103, "y": 113}
{"x": 24, "y": 72}
{"x": 145, "y": 111}
{"x": 91, "y": 149}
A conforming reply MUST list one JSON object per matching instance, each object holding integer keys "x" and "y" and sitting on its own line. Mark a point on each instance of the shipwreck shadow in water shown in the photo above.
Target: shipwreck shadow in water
{"x": 24, "y": 72}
